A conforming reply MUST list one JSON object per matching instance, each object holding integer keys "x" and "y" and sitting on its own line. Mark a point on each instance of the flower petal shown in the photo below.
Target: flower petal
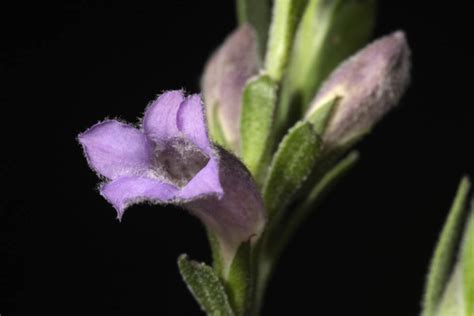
{"x": 115, "y": 149}
{"x": 192, "y": 123}
{"x": 159, "y": 121}
{"x": 126, "y": 191}
{"x": 205, "y": 183}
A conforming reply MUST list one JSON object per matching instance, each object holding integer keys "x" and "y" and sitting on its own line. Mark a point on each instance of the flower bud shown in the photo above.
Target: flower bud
{"x": 223, "y": 82}
{"x": 369, "y": 83}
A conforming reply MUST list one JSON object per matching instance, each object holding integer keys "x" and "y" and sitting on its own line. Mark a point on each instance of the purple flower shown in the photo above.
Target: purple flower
{"x": 171, "y": 160}
{"x": 371, "y": 82}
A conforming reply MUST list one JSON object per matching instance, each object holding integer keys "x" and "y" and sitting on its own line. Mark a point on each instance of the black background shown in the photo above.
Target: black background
{"x": 68, "y": 65}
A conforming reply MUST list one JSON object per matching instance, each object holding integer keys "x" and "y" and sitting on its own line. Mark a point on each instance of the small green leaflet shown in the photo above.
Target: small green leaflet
{"x": 322, "y": 115}
{"x": 291, "y": 165}
{"x": 205, "y": 286}
{"x": 285, "y": 229}
{"x": 258, "y": 109}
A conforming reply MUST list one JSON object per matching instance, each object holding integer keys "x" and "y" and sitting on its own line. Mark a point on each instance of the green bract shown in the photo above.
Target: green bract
{"x": 256, "y": 126}
{"x": 291, "y": 165}
{"x": 206, "y": 287}
{"x": 449, "y": 284}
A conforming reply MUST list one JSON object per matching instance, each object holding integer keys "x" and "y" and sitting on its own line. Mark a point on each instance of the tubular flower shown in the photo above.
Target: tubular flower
{"x": 171, "y": 160}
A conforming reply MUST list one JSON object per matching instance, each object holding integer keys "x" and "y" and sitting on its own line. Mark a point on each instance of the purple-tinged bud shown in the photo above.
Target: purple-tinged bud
{"x": 223, "y": 81}
{"x": 369, "y": 83}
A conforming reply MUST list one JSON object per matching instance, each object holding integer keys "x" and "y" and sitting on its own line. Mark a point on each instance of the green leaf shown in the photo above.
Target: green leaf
{"x": 467, "y": 259}
{"x": 286, "y": 14}
{"x": 239, "y": 278}
{"x": 257, "y": 13}
{"x": 291, "y": 165}
{"x": 258, "y": 109}
{"x": 451, "y": 302}
{"x": 444, "y": 256}
{"x": 205, "y": 286}
{"x": 329, "y": 32}
{"x": 329, "y": 180}
{"x": 321, "y": 117}
{"x": 285, "y": 228}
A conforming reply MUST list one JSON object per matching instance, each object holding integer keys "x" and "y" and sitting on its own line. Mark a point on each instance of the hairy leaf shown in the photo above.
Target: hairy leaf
{"x": 258, "y": 110}
{"x": 205, "y": 286}
{"x": 291, "y": 165}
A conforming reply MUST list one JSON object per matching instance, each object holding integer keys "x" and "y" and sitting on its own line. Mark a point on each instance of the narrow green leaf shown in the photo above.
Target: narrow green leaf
{"x": 329, "y": 32}
{"x": 258, "y": 109}
{"x": 205, "y": 286}
{"x": 444, "y": 255}
{"x": 467, "y": 259}
{"x": 330, "y": 179}
{"x": 285, "y": 228}
{"x": 238, "y": 281}
{"x": 291, "y": 165}
{"x": 451, "y": 301}
{"x": 321, "y": 117}
{"x": 257, "y": 13}
{"x": 286, "y": 14}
